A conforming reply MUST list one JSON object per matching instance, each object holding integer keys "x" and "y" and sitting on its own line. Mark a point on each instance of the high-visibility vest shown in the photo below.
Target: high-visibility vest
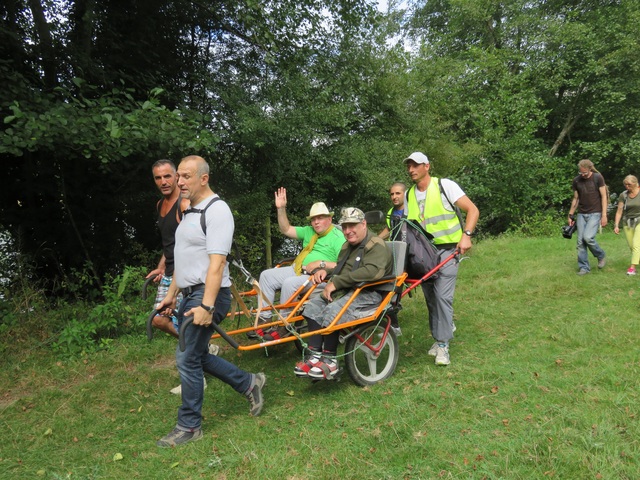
{"x": 390, "y": 215}
{"x": 443, "y": 224}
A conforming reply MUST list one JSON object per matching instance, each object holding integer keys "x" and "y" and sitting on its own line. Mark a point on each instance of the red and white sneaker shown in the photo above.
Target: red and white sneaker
{"x": 325, "y": 369}
{"x": 302, "y": 369}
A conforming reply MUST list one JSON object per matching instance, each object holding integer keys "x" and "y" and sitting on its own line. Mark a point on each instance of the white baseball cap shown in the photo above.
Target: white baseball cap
{"x": 417, "y": 157}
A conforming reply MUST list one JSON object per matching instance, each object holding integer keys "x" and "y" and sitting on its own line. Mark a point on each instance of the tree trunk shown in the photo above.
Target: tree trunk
{"x": 572, "y": 118}
{"x": 45, "y": 45}
{"x": 83, "y": 17}
{"x": 267, "y": 241}
{"x": 566, "y": 131}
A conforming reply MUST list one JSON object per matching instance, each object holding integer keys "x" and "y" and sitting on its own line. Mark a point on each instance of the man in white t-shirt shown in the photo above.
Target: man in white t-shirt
{"x": 432, "y": 203}
{"x": 202, "y": 275}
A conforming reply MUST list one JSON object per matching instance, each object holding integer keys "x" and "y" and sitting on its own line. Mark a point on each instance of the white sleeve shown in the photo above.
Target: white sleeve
{"x": 453, "y": 191}
{"x": 220, "y": 227}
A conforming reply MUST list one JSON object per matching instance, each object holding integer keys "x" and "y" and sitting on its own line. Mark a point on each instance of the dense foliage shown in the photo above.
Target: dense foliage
{"x": 324, "y": 98}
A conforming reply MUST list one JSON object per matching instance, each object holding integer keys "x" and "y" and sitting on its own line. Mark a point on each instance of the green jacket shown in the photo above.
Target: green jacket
{"x": 376, "y": 262}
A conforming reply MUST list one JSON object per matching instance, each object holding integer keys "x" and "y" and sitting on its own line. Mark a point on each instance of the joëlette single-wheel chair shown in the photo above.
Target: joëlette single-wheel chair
{"x": 371, "y": 348}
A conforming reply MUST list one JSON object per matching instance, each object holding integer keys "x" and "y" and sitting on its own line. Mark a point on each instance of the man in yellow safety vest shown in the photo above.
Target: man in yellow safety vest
{"x": 432, "y": 202}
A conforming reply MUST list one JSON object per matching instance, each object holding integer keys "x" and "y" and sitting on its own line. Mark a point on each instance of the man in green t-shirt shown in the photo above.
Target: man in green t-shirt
{"x": 321, "y": 244}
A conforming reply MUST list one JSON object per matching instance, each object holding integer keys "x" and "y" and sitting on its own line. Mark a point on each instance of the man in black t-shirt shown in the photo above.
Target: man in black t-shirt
{"x": 169, "y": 209}
{"x": 590, "y": 200}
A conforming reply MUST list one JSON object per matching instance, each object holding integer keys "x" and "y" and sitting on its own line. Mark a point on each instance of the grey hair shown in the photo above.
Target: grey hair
{"x": 162, "y": 162}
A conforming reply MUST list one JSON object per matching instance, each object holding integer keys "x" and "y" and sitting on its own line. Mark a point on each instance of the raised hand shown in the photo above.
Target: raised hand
{"x": 281, "y": 197}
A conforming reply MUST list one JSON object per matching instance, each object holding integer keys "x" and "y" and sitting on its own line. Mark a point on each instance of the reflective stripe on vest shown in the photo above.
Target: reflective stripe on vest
{"x": 443, "y": 224}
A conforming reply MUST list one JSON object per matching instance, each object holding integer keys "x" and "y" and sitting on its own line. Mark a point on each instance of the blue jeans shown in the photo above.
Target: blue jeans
{"x": 588, "y": 224}
{"x": 196, "y": 359}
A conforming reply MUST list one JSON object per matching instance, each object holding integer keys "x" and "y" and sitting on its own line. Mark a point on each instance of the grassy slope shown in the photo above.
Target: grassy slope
{"x": 543, "y": 383}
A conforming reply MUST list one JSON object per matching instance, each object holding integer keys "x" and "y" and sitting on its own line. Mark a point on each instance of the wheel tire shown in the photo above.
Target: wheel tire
{"x": 362, "y": 365}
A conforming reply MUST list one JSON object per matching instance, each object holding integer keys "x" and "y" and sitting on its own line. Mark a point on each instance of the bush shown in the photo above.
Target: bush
{"x": 541, "y": 224}
{"x": 122, "y": 311}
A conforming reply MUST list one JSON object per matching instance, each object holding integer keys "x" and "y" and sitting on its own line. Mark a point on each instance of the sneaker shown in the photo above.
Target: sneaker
{"x": 602, "y": 262}
{"x": 177, "y": 437}
{"x": 325, "y": 369}
{"x": 271, "y": 333}
{"x": 255, "y": 334}
{"x": 631, "y": 271}
{"x": 433, "y": 350}
{"x": 178, "y": 390}
{"x": 582, "y": 271}
{"x": 302, "y": 369}
{"x": 214, "y": 349}
{"x": 397, "y": 331}
{"x": 442, "y": 354}
{"x": 254, "y": 395}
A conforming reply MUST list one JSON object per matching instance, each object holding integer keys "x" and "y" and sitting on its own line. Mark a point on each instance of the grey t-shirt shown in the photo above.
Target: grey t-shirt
{"x": 631, "y": 206}
{"x": 192, "y": 249}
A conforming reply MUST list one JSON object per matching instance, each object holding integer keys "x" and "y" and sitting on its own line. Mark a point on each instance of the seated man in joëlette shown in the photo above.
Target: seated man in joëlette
{"x": 363, "y": 258}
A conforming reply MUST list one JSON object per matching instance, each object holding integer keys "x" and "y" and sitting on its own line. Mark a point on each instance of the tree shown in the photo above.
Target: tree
{"x": 526, "y": 89}
{"x": 269, "y": 92}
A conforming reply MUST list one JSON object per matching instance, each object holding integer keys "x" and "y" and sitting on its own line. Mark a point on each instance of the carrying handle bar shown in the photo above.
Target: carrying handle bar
{"x": 145, "y": 285}
{"x": 150, "y": 325}
{"x": 150, "y": 322}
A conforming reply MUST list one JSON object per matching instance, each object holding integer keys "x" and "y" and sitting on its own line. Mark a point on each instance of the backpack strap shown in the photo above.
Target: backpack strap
{"x": 453, "y": 205}
{"x": 360, "y": 253}
{"x": 202, "y": 212}
{"x": 626, "y": 198}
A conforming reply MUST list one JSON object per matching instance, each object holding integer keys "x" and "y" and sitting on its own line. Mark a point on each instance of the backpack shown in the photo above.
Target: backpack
{"x": 422, "y": 255}
{"x": 606, "y": 187}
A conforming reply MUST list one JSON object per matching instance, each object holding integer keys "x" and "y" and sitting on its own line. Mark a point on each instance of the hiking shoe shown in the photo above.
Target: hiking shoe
{"x": 582, "y": 271}
{"x": 325, "y": 369}
{"x": 433, "y": 350}
{"x": 602, "y": 262}
{"x": 214, "y": 349}
{"x": 631, "y": 271}
{"x": 442, "y": 354}
{"x": 254, "y": 394}
{"x": 178, "y": 390}
{"x": 177, "y": 437}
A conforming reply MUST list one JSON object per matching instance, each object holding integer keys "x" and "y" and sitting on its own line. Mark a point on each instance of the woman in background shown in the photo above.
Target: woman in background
{"x": 629, "y": 212}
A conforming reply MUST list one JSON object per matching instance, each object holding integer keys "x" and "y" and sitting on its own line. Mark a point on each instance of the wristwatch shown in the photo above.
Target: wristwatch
{"x": 469, "y": 233}
{"x": 208, "y": 308}
{"x": 323, "y": 264}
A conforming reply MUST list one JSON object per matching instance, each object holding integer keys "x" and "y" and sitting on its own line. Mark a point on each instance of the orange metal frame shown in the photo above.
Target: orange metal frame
{"x": 292, "y": 318}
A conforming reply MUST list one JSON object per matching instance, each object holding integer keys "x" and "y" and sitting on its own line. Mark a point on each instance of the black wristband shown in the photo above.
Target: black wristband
{"x": 208, "y": 308}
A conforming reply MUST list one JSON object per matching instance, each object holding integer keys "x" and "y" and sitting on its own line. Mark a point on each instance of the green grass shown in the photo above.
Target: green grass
{"x": 543, "y": 384}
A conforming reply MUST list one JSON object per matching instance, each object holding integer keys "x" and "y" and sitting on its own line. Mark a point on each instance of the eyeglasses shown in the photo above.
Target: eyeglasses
{"x": 584, "y": 173}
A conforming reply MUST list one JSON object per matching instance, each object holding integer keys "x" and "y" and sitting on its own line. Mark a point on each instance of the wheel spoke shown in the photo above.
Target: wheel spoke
{"x": 363, "y": 365}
